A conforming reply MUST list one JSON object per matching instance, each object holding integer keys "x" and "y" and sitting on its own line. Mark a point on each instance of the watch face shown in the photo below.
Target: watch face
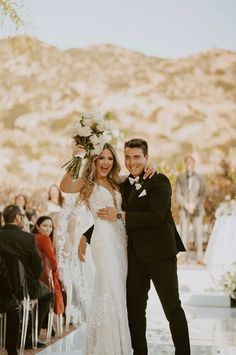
{"x": 119, "y": 215}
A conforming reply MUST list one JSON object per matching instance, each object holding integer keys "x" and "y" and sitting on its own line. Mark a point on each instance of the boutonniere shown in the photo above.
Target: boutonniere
{"x": 138, "y": 185}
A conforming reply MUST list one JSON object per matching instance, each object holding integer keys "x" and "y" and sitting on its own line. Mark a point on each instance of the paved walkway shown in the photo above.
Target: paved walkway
{"x": 212, "y": 323}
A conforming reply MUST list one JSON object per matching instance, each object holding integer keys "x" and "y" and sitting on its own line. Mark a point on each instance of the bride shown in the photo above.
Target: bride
{"x": 107, "y": 325}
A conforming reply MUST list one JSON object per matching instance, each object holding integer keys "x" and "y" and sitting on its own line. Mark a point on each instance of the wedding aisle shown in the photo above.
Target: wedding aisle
{"x": 212, "y": 322}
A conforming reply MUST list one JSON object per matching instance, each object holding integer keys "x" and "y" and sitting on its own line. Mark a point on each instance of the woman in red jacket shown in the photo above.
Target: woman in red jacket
{"x": 44, "y": 234}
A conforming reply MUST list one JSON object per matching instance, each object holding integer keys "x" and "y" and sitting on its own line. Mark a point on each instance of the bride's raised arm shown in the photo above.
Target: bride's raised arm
{"x": 69, "y": 185}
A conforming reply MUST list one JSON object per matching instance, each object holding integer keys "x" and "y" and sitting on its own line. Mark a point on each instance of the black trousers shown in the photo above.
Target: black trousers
{"x": 43, "y": 308}
{"x": 12, "y": 331}
{"x": 163, "y": 274}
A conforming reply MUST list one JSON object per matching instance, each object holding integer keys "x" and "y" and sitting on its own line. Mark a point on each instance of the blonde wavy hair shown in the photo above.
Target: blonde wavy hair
{"x": 90, "y": 178}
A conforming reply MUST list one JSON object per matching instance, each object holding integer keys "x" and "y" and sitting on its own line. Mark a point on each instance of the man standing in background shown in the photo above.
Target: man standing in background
{"x": 190, "y": 194}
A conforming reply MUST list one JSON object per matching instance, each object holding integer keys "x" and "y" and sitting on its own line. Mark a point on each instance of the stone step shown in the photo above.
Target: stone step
{"x": 200, "y": 287}
{"x": 208, "y": 300}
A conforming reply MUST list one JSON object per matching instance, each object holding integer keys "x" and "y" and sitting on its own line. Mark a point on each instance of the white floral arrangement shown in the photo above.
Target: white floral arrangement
{"x": 89, "y": 132}
{"x": 227, "y": 207}
{"x": 228, "y": 281}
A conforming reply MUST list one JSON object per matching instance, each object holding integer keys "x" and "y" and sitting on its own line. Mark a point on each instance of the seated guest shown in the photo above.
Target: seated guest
{"x": 44, "y": 236}
{"x": 15, "y": 241}
{"x": 9, "y": 305}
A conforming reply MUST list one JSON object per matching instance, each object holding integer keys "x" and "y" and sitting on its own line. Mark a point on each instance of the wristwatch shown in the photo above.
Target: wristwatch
{"x": 119, "y": 215}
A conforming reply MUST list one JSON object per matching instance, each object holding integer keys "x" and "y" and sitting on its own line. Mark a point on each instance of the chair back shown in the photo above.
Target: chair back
{"x": 16, "y": 272}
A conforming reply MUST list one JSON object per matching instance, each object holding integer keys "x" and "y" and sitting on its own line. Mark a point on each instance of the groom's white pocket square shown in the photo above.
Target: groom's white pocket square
{"x": 143, "y": 193}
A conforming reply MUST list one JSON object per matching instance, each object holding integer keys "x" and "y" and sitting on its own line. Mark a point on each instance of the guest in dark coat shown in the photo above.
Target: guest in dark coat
{"x": 9, "y": 305}
{"x": 15, "y": 241}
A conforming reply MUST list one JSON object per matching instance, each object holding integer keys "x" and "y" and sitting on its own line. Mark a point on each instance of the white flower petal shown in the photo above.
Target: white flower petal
{"x": 88, "y": 122}
{"x": 85, "y": 131}
{"x": 94, "y": 139}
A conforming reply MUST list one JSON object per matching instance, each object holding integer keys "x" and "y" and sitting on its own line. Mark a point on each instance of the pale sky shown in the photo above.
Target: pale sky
{"x": 163, "y": 28}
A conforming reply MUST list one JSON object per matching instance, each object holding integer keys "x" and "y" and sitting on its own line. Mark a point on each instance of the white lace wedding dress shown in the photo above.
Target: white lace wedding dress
{"x": 107, "y": 324}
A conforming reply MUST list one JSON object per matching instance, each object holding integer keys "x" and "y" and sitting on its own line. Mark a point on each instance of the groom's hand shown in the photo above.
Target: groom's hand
{"x": 149, "y": 171}
{"x": 108, "y": 213}
{"x": 82, "y": 248}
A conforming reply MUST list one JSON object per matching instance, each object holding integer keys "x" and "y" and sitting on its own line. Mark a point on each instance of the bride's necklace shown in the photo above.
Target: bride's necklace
{"x": 108, "y": 186}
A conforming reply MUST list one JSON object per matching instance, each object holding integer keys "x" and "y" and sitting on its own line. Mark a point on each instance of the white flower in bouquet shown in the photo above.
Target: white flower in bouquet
{"x": 88, "y": 122}
{"x": 88, "y": 131}
{"x": 84, "y": 132}
{"x": 98, "y": 118}
{"x": 100, "y": 126}
{"x": 102, "y": 140}
{"x": 95, "y": 140}
{"x": 97, "y": 149}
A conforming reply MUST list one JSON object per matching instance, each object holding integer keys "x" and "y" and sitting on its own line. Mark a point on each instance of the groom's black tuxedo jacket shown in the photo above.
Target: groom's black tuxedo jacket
{"x": 149, "y": 223}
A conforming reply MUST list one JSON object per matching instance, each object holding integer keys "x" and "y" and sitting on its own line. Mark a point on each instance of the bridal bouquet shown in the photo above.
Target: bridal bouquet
{"x": 88, "y": 131}
{"x": 228, "y": 281}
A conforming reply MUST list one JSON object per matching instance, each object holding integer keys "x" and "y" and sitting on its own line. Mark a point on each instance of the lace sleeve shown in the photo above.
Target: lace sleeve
{"x": 73, "y": 221}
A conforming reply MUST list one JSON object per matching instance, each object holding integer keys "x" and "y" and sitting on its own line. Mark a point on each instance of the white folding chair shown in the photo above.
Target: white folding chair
{"x": 59, "y": 317}
{"x": 69, "y": 302}
{"x": 28, "y": 306}
{"x": 3, "y": 325}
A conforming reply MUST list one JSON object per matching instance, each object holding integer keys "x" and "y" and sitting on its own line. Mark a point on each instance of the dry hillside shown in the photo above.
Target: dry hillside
{"x": 180, "y": 106}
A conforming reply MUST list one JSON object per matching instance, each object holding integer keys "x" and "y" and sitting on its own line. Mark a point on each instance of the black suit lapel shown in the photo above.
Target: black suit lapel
{"x": 134, "y": 193}
{"x": 130, "y": 191}
{"x": 126, "y": 189}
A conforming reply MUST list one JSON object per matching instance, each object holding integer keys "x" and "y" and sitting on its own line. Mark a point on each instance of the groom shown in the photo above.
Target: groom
{"x": 153, "y": 242}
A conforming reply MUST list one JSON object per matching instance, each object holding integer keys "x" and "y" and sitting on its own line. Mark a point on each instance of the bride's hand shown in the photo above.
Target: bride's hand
{"x": 82, "y": 248}
{"x": 78, "y": 151}
{"x": 150, "y": 170}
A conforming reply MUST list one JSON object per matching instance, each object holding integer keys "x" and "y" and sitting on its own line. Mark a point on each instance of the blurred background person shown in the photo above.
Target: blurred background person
{"x": 32, "y": 216}
{"x": 190, "y": 195}
{"x": 21, "y": 201}
{"x": 54, "y": 207}
{"x": 55, "y": 199}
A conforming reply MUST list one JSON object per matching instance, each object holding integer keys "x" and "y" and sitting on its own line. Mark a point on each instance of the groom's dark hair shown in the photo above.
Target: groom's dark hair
{"x": 137, "y": 143}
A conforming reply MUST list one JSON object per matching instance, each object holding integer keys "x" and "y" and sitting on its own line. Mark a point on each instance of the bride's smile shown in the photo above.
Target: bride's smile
{"x": 104, "y": 163}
